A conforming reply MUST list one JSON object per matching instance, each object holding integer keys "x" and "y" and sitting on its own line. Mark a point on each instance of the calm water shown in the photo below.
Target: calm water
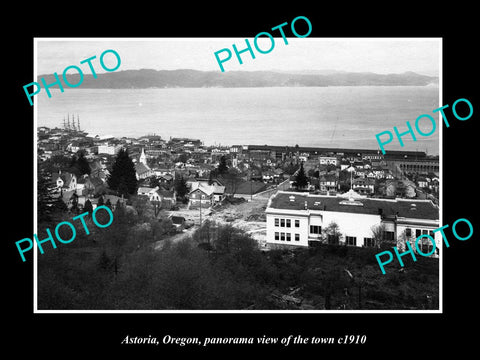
{"x": 307, "y": 116}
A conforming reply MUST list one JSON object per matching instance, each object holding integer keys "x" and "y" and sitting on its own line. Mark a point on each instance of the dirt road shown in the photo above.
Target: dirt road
{"x": 248, "y": 216}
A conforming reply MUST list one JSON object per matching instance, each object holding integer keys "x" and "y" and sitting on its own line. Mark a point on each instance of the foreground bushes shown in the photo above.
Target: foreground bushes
{"x": 220, "y": 267}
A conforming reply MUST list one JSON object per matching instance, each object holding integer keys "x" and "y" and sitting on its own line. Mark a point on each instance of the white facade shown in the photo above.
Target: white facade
{"x": 109, "y": 150}
{"x": 328, "y": 160}
{"x": 305, "y": 217}
{"x": 357, "y": 226}
{"x": 298, "y": 229}
{"x": 410, "y": 229}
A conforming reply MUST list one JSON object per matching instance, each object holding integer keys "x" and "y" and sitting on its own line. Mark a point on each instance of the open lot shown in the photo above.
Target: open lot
{"x": 248, "y": 216}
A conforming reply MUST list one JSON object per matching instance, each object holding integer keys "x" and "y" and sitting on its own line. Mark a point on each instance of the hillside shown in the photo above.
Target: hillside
{"x": 186, "y": 78}
{"x": 220, "y": 267}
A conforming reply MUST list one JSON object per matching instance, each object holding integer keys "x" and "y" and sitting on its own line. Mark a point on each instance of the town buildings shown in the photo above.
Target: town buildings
{"x": 300, "y": 219}
{"x": 205, "y": 193}
{"x": 165, "y": 198}
{"x": 356, "y": 189}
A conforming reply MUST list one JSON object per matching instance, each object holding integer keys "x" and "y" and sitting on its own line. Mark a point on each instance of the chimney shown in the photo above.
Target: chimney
{"x": 380, "y": 211}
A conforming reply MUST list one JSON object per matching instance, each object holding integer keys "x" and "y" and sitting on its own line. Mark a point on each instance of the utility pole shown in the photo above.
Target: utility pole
{"x": 200, "y": 210}
{"x": 351, "y": 180}
{"x": 251, "y": 186}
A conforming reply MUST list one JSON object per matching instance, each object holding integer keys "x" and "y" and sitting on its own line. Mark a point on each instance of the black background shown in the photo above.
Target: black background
{"x": 62, "y": 335}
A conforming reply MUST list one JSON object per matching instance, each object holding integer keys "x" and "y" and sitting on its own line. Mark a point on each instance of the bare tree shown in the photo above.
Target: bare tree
{"x": 380, "y": 237}
{"x": 333, "y": 233}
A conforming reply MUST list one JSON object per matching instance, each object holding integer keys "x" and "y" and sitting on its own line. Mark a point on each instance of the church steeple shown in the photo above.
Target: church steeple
{"x": 143, "y": 157}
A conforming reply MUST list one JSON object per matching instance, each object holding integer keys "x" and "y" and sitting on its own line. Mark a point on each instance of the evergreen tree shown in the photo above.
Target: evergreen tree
{"x": 79, "y": 164}
{"x": 74, "y": 207}
{"x": 108, "y": 203}
{"x": 123, "y": 176}
{"x": 46, "y": 198}
{"x": 301, "y": 180}
{"x": 180, "y": 186}
{"x": 233, "y": 178}
{"x": 88, "y": 207}
{"x": 82, "y": 164}
{"x": 222, "y": 166}
{"x": 123, "y": 188}
{"x": 73, "y": 161}
{"x": 210, "y": 177}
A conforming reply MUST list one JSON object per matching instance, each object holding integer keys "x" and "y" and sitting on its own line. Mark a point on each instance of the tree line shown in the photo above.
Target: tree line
{"x": 134, "y": 265}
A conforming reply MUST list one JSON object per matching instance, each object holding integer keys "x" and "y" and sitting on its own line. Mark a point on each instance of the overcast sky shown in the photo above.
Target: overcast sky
{"x": 379, "y": 55}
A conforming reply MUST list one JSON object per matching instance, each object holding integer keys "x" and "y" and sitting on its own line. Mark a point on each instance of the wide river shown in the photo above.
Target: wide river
{"x": 340, "y": 116}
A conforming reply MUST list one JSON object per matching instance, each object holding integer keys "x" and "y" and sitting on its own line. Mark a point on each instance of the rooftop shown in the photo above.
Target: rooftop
{"x": 145, "y": 189}
{"x": 179, "y": 220}
{"x": 390, "y": 153}
{"x": 245, "y": 187}
{"x": 140, "y": 168}
{"x": 419, "y": 209}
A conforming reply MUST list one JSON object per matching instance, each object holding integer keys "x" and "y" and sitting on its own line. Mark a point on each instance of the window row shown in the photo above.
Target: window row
{"x": 286, "y": 222}
{"x": 286, "y": 236}
{"x": 418, "y": 232}
{"x": 389, "y": 235}
{"x": 315, "y": 229}
{"x": 352, "y": 241}
{"x": 425, "y": 246}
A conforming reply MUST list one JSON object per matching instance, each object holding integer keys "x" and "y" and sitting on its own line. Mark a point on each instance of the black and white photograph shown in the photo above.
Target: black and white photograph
{"x": 182, "y": 182}
{"x": 258, "y": 188}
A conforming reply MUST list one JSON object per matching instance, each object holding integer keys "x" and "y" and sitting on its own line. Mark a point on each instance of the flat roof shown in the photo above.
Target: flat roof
{"x": 417, "y": 209}
{"x": 393, "y": 153}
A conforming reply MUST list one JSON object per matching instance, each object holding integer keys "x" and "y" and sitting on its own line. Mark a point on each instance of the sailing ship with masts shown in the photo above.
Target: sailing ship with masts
{"x": 71, "y": 127}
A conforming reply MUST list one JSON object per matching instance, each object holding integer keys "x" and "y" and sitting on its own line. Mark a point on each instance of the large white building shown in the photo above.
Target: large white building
{"x": 328, "y": 160}
{"x": 109, "y": 149}
{"x": 297, "y": 219}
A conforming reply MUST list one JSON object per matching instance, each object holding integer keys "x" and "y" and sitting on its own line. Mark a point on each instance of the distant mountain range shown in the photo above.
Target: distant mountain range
{"x": 186, "y": 78}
